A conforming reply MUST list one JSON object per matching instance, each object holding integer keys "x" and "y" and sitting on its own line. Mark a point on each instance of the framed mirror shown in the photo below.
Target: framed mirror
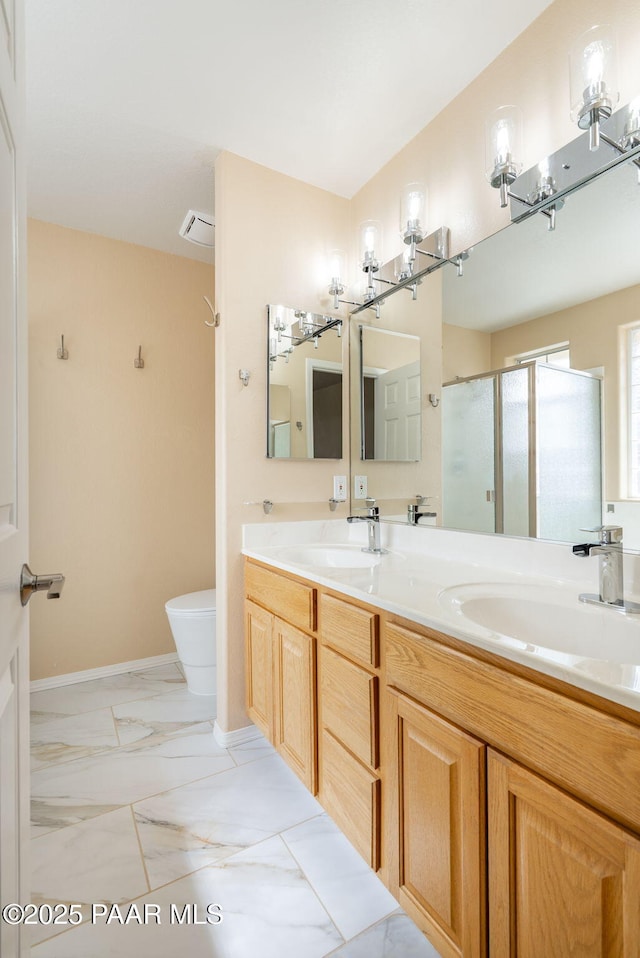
{"x": 395, "y": 435}
{"x": 304, "y": 384}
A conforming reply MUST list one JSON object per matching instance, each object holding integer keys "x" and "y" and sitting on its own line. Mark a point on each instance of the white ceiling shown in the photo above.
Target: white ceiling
{"x": 130, "y": 101}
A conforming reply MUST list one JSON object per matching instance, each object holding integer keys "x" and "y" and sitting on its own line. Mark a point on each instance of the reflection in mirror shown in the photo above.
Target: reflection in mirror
{"x": 521, "y": 452}
{"x": 570, "y": 296}
{"x": 390, "y": 395}
{"x": 304, "y": 396}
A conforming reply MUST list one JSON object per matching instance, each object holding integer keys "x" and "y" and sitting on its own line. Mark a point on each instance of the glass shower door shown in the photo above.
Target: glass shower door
{"x": 468, "y": 455}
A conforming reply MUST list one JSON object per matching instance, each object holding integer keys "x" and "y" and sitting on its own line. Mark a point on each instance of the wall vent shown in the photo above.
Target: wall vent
{"x": 198, "y": 228}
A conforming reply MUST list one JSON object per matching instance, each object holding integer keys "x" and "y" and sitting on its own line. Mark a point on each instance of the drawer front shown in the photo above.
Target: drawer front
{"x": 349, "y": 629}
{"x": 349, "y": 704}
{"x": 290, "y": 600}
{"x": 351, "y": 795}
{"x": 593, "y": 755}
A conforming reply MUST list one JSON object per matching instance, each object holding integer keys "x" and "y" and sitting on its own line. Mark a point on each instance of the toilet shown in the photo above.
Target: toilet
{"x": 192, "y": 618}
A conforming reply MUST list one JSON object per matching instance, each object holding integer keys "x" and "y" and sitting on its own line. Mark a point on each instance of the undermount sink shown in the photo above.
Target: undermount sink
{"x": 343, "y": 556}
{"x": 536, "y": 618}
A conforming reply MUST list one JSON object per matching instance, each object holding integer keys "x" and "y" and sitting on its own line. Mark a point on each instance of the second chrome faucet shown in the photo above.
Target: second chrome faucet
{"x": 611, "y": 578}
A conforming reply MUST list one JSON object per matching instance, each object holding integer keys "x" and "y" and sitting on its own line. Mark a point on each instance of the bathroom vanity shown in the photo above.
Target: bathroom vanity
{"x": 492, "y": 782}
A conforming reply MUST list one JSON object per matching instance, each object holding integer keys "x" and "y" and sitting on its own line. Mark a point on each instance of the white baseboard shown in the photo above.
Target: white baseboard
{"x": 239, "y": 736}
{"x": 72, "y": 678}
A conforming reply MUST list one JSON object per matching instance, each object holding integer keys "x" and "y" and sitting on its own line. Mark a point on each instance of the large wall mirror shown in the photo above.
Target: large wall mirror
{"x": 538, "y": 428}
{"x": 525, "y": 448}
{"x": 304, "y": 376}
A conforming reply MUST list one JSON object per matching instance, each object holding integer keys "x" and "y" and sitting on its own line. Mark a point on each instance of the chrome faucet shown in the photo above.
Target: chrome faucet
{"x": 609, "y": 550}
{"x": 417, "y": 510}
{"x": 373, "y": 518}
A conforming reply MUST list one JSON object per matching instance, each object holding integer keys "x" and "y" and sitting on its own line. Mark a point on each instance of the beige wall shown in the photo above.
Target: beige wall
{"x": 122, "y": 468}
{"x": 293, "y": 226}
{"x": 465, "y": 352}
{"x": 291, "y": 222}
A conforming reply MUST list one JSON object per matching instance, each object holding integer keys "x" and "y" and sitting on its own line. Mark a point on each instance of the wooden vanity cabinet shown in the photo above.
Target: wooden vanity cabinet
{"x": 435, "y": 807}
{"x": 280, "y": 665}
{"x": 501, "y": 806}
{"x": 564, "y": 880}
{"x": 562, "y": 870}
{"x": 348, "y": 750}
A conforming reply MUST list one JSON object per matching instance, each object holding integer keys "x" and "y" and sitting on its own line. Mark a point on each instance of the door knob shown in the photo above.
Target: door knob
{"x": 30, "y": 583}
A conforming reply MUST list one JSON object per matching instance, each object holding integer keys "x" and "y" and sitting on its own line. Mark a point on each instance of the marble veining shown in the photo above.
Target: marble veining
{"x": 162, "y": 714}
{"x": 186, "y": 828}
{"x": 103, "y": 693}
{"x": 84, "y": 788}
{"x": 73, "y": 736}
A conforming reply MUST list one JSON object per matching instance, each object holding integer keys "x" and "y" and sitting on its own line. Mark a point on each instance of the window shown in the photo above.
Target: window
{"x": 552, "y": 355}
{"x": 633, "y": 411}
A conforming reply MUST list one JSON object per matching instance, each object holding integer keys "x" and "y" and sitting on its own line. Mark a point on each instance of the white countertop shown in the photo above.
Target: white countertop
{"x": 427, "y": 570}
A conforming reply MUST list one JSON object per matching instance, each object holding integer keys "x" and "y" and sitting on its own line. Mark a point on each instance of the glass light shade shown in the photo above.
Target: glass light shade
{"x": 403, "y": 265}
{"x": 503, "y": 145}
{"x": 413, "y": 212}
{"x": 336, "y": 269}
{"x": 631, "y": 136}
{"x": 370, "y": 244}
{"x": 593, "y": 75}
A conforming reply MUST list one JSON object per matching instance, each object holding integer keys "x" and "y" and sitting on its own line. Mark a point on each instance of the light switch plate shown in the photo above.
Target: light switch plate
{"x": 340, "y": 488}
{"x": 360, "y": 487}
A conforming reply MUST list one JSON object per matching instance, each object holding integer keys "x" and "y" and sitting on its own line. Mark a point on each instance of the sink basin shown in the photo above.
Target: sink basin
{"x": 342, "y": 556}
{"x": 547, "y": 620}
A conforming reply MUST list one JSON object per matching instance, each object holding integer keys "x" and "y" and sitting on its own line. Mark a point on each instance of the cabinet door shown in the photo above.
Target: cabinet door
{"x": 294, "y": 669}
{"x": 258, "y": 667}
{"x": 436, "y": 811}
{"x": 563, "y": 880}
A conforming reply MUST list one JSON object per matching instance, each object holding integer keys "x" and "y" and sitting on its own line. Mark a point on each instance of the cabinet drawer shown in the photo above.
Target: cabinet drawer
{"x": 594, "y": 755}
{"x": 350, "y": 629}
{"x": 288, "y": 599}
{"x": 349, "y": 700}
{"x": 351, "y": 795}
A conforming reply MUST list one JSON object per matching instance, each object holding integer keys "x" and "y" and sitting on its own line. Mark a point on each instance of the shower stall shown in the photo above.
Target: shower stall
{"x": 521, "y": 452}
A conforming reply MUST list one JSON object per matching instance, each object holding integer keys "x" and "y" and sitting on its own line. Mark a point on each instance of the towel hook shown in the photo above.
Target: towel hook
{"x": 216, "y": 316}
{"x": 62, "y": 352}
{"x": 139, "y": 361}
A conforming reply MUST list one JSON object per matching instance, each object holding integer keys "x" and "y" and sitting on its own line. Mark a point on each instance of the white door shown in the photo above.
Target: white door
{"x": 397, "y": 414}
{"x": 14, "y": 649}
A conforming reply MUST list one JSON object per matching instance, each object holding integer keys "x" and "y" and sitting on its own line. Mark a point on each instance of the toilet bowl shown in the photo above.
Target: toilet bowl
{"x": 192, "y": 618}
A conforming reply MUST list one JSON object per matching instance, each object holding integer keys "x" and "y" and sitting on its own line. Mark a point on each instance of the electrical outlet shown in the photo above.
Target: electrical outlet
{"x": 360, "y": 487}
{"x": 340, "y": 488}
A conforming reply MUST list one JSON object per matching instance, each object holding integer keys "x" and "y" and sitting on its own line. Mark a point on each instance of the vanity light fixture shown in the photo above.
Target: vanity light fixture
{"x": 413, "y": 205}
{"x": 370, "y": 244}
{"x": 337, "y": 272}
{"x": 593, "y": 80}
{"x": 289, "y": 327}
{"x": 545, "y": 188}
{"x": 503, "y": 149}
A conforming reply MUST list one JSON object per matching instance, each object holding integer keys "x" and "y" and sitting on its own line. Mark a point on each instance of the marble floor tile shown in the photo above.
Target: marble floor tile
{"x": 102, "y": 693}
{"x": 269, "y": 910}
{"x": 66, "y": 794}
{"x": 350, "y": 891}
{"x": 192, "y": 826}
{"x": 251, "y": 751}
{"x": 95, "y": 861}
{"x": 74, "y": 736}
{"x": 162, "y": 714}
{"x": 394, "y": 937}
